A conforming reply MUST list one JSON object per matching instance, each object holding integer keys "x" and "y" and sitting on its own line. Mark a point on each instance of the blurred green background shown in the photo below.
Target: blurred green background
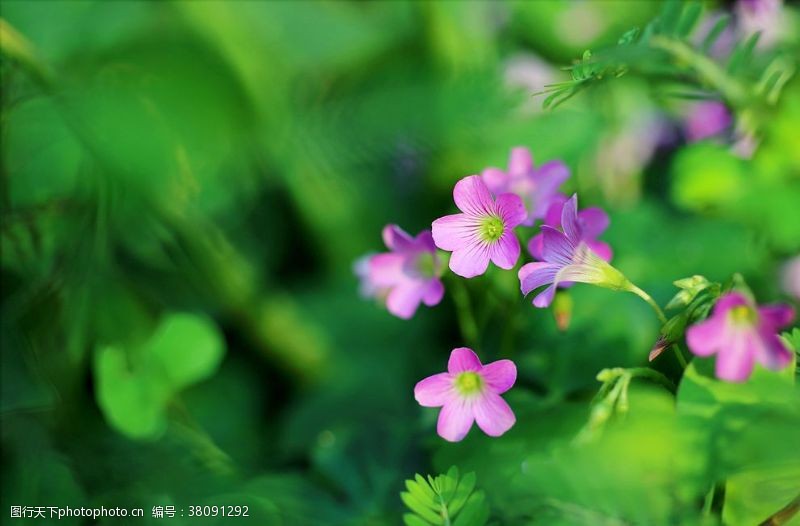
{"x": 185, "y": 188}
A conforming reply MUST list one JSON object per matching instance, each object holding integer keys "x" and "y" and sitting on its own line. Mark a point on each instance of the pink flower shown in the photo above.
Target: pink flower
{"x": 567, "y": 257}
{"x": 469, "y": 392}
{"x": 406, "y": 276}
{"x": 536, "y": 186}
{"x": 706, "y": 119}
{"x": 741, "y": 333}
{"x": 483, "y": 231}
{"x": 592, "y": 222}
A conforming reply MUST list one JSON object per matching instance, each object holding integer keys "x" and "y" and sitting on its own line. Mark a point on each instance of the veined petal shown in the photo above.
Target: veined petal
{"x": 545, "y": 298}
{"x": 463, "y": 359}
{"x": 536, "y": 246}
{"x": 556, "y": 247}
{"x": 500, "y": 375}
{"x": 511, "y": 210}
{"x": 603, "y": 250}
{"x": 581, "y": 273}
{"x": 470, "y": 261}
{"x": 455, "y": 419}
{"x": 454, "y": 231}
{"x": 433, "y": 293}
{"x": 496, "y": 180}
{"x": 735, "y": 360}
{"x": 553, "y": 215}
{"x": 708, "y": 336}
{"x": 505, "y": 252}
{"x": 386, "y": 270}
{"x": 593, "y": 221}
{"x": 777, "y": 315}
{"x": 435, "y": 391}
{"x": 472, "y": 196}
{"x": 569, "y": 220}
{"x": 492, "y": 414}
{"x": 520, "y": 161}
{"x": 397, "y": 239}
{"x": 534, "y": 275}
{"x": 404, "y": 299}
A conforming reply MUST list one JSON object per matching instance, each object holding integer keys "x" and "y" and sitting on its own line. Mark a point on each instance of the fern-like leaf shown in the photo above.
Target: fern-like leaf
{"x": 444, "y": 500}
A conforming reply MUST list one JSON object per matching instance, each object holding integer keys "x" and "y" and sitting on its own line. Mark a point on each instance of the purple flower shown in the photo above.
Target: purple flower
{"x": 592, "y": 222}
{"x": 566, "y": 257}
{"x": 536, "y": 186}
{"x": 706, "y": 119}
{"x": 742, "y": 333}
{"x": 469, "y": 392}
{"x": 483, "y": 231}
{"x": 406, "y": 276}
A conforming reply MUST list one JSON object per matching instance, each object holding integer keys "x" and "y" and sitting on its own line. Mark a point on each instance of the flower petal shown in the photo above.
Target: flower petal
{"x": 556, "y": 247}
{"x": 708, "y": 336}
{"x": 492, "y": 414}
{"x": 472, "y": 197}
{"x": 534, "y": 275}
{"x": 511, "y": 210}
{"x": 397, "y": 239}
{"x": 735, "y": 360}
{"x": 505, "y": 252}
{"x": 777, "y": 315}
{"x": 729, "y": 301}
{"x": 536, "y": 246}
{"x": 470, "y": 261}
{"x": 404, "y": 299}
{"x": 500, "y": 375}
{"x": 386, "y": 270}
{"x": 455, "y": 419}
{"x": 772, "y": 352}
{"x": 553, "y": 215}
{"x": 454, "y": 231}
{"x": 496, "y": 180}
{"x": 433, "y": 293}
{"x": 463, "y": 359}
{"x": 553, "y": 172}
{"x": 593, "y": 221}
{"x": 434, "y": 391}
{"x": 424, "y": 241}
{"x": 520, "y": 161}
{"x": 603, "y": 250}
{"x": 569, "y": 220}
{"x": 545, "y": 298}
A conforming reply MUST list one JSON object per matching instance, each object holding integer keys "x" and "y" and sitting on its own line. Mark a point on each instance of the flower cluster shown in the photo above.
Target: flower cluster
{"x": 492, "y": 207}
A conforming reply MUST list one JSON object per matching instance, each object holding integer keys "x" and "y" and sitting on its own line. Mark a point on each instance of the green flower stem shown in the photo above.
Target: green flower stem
{"x": 650, "y": 301}
{"x": 680, "y": 356}
{"x": 466, "y": 317}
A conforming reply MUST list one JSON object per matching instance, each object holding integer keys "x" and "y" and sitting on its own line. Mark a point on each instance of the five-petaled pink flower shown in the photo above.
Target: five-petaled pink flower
{"x": 406, "y": 276}
{"x": 469, "y": 392}
{"x": 536, "y": 186}
{"x": 592, "y": 222}
{"x": 567, "y": 257}
{"x": 742, "y": 333}
{"x": 483, "y": 231}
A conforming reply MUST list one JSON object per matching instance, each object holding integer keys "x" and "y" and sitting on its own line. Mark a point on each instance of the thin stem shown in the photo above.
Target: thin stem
{"x": 680, "y": 356}
{"x": 650, "y": 301}
{"x": 466, "y": 318}
{"x": 709, "y": 500}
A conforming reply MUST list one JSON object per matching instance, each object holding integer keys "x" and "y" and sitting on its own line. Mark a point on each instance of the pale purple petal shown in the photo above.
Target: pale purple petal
{"x": 470, "y": 261}
{"x": 505, "y": 251}
{"x": 492, "y": 414}
{"x": 435, "y": 391}
{"x": 555, "y": 172}
{"x": 500, "y": 375}
{"x": 580, "y": 273}
{"x": 553, "y": 215}
{"x": 545, "y": 298}
{"x": 386, "y": 270}
{"x": 708, "y": 336}
{"x": 472, "y": 197}
{"x": 557, "y": 248}
{"x": 424, "y": 241}
{"x": 534, "y": 275}
{"x": 404, "y": 299}
{"x": 511, "y": 210}
{"x": 520, "y": 162}
{"x": 463, "y": 359}
{"x": 777, "y": 315}
{"x": 593, "y": 221}
{"x": 772, "y": 352}
{"x": 569, "y": 220}
{"x": 496, "y": 180}
{"x": 603, "y": 250}
{"x": 735, "y": 360}
{"x": 536, "y": 246}
{"x": 455, "y": 419}
{"x": 397, "y": 239}
{"x": 433, "y": 292}
{"x": 729, "y": 301}
{"x": 454, "y": 231}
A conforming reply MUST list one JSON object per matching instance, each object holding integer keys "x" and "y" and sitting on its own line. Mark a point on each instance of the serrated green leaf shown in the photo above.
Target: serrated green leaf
{"x": 475, "y": 511}
{"x": 420, "y": 508}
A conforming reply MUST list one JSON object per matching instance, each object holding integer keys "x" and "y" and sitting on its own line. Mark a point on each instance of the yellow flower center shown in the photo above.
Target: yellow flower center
{"x": 743, "y": 315}
{"x": 492, "y": 228}
{"x": 468, "y": 383}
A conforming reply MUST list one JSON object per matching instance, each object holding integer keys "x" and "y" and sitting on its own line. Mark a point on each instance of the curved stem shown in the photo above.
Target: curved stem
{"x": 466, "y": 318}
{"x": 650, "y": 301}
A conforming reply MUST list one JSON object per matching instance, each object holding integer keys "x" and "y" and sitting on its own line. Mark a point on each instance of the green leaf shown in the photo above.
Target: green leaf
{"x": 720, "y": 25}
{"x": 135, "y": 383}
{"x": 445, "y": 499}
{"x": 689, "y": 17}
{"x": 742, "y": 53}
{"x": 412, "y": 520}
{"x": 462, "y": 492}
{"x": 475, "y": 512}
{"x": 423, "y": 509}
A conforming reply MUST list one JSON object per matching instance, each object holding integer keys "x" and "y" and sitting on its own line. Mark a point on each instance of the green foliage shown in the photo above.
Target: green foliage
{"x": 135, "y": 383}
{"x": 446, "y": 499}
